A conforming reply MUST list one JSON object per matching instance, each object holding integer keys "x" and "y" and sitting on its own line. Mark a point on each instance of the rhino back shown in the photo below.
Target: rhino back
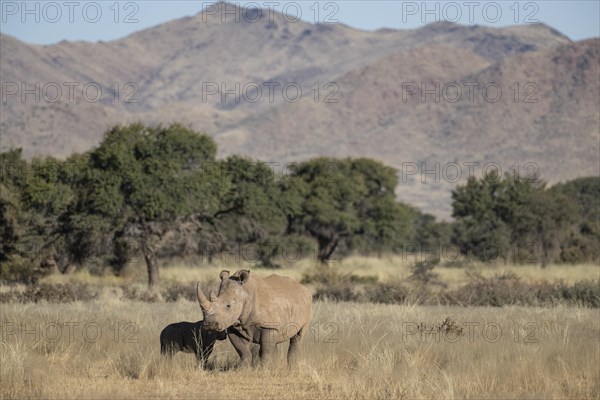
{"x": 281, "y": 302}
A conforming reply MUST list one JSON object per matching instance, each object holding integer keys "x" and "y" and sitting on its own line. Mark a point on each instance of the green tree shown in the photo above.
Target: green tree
{"x": 431, "y": 234}
{"x": 582, "y": 243}
{"x": 348, "y": 204}
{"x": 13, "y": 219}
{"x": 11, "y": 165}
{"x": 539, "y": 218}
{"x": 479, "y": 229}
{"x": 554, "y": 214}
{"x": 511, "y": 215}
{"x": 251, "y": 211}
{"x": 514, "y": 207}
{"x": 34, "y": 195}
{"x": 140, "y": 183}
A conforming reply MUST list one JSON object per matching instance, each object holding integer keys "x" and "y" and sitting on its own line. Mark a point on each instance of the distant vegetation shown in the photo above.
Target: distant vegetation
{"x": 159, "y": 192}
{"x": 522, "y": 221}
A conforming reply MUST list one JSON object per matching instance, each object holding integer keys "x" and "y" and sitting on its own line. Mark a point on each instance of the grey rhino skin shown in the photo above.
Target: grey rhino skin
{"x": 265, "y": 311}
{"x": 189, "y": 337}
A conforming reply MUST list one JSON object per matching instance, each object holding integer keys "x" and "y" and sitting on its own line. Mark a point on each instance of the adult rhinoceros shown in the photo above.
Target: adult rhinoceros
{"x": 266, "y": 311}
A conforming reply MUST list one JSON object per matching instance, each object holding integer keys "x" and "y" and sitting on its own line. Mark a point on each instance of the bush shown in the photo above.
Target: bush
{"x": 507, "y": 289}
{"x": 333, "y": 284}
{"x": 179, "y": 291}
{"x": 422, "y": 272}
{"x": 497, "y": 291}
{"x": 500, "y": 290}
{"x": 447, "y": 326}
{"x": 339, "y": 291}
{"x": 52, "y": 293}
{"x": 582, "y": 293}
{"x": 18, "y": 269}
{"x": 141, "y": 293}
{"x": 327, "y": 275}
{"x": 387, "y": 293}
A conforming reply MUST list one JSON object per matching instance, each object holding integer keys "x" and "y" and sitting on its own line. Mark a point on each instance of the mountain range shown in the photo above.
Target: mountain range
{"x": 436, "y": 102}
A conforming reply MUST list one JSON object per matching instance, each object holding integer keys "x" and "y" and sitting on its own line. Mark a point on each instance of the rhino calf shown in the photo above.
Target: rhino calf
{"x": 189, "y": 337}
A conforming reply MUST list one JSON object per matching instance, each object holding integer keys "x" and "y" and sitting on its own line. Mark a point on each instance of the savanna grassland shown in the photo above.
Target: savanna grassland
{"x": 108, "y": 347}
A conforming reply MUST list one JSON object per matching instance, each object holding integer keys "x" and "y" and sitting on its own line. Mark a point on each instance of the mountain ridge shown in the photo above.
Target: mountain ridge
{"x": 168, "y": 69}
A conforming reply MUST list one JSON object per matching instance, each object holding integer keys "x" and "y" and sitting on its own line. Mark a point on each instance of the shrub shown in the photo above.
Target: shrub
{"x": 52, "y": 293}
{"x": 387, "y": 293}
{"x": 500, "y": 290}
{"x": 507, "y": 289}
{"x": 180, "y": 291}
{"x": 422, "y": 271}
{"x": 141, "y": 293}
{"x": 339, "y": 291}
{"x": 18, "y": 269}
{"x": 448, "y": 326}
{"x": 333, "y": 284}
{"x": 327, "y": 275}
{"x": 583, "y": 293}
{"x": 497, "y": 291}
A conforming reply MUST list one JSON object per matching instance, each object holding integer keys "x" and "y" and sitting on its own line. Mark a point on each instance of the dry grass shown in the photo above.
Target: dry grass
{"x": 353, "y": 351}
{"x": 385, "y": 268}
{"x": 398, "y": 268}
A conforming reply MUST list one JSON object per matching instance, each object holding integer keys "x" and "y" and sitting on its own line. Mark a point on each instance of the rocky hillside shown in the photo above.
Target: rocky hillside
{"x": 442, "y": 97}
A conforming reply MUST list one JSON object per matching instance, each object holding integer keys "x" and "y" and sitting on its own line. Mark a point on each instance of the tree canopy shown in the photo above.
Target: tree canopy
{"x": 161, "y": 192}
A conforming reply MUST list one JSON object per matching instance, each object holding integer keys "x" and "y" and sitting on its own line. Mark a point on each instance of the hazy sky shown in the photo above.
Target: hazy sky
{"x": 44, "y": 22}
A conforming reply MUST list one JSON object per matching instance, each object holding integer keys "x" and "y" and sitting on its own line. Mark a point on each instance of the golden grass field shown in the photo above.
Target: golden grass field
{"x": 109, "y": 347}
{"x": 384, "y": 268}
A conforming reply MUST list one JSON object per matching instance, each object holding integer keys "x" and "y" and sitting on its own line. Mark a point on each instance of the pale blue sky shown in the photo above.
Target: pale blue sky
{"x": 45, "y": 22}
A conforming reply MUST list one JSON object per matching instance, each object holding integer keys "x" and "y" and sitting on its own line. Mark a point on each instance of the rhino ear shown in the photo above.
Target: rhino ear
{"x": 244, "y": 275}
{"x": 224, "y": 275}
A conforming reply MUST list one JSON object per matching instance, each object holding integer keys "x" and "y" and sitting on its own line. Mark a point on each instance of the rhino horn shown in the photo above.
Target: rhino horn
{"x": 212, "y": 296}
{"x": 204, "y": 303}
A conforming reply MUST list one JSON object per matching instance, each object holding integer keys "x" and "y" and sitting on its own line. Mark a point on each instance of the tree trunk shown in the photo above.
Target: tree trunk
{"x": 544, "y": 255}
{"x": 51, "y": 266}
{"x": 151, "y": 264}
{"x": 326, "y": 249}
{"x": 69, "y": 269}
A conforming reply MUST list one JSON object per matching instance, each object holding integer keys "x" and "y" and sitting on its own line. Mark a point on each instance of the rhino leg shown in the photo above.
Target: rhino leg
{"x": 254, "y": 348}
{"x": 268, "y": 347}
{"x": 295, "y": 341}
{"x": 242, "y": 347}
{"x": 167, "y": 349}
